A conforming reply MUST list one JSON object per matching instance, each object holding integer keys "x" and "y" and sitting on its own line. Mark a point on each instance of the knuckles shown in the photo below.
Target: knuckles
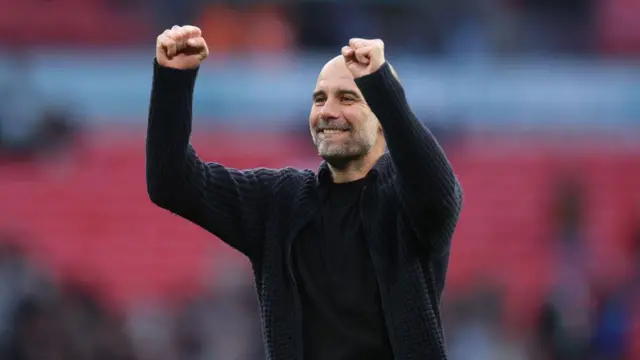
{"x": 178, "y": 34}
{"x": 359, "y": 43}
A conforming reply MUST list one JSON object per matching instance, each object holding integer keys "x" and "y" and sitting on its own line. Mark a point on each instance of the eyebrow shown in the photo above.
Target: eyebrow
{"x": 318, "y": 93}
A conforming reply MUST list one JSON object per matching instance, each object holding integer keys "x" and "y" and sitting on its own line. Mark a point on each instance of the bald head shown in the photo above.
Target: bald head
{"x": 335, "y": 68}
{"x": 337, "y": 61}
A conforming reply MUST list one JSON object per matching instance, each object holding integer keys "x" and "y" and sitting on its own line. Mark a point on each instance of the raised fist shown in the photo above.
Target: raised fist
{"x": 363, "y": 56}
{"x": 181, "y": 47}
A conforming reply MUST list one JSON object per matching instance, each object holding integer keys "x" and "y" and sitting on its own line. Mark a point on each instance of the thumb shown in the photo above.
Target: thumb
{"x": 349, "y": 56}
{"x": 347, "y": 52}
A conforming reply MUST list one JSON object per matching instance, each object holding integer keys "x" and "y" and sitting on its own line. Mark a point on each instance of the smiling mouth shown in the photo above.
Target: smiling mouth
{"x": 332, "y": 131}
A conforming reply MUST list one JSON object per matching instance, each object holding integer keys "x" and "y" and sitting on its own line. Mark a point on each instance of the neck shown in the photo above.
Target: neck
{"x": 355, "y": 169}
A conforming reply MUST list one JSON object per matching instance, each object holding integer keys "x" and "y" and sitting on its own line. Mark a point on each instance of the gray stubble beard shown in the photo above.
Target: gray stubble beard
{"x": 340, "y": 156}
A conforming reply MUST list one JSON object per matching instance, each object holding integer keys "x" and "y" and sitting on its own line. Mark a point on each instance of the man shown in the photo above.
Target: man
{"x": 350, "y": 262}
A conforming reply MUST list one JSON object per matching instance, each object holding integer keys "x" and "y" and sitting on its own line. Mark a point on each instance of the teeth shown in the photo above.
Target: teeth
{"x": 331, "y": 131}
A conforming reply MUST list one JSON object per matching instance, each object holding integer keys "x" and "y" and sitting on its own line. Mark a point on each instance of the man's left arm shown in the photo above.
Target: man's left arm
{"x": 431, "y": 193}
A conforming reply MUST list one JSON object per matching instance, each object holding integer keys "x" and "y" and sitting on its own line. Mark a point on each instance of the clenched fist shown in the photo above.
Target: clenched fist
{"x": 363, "y": 56}
{"x": 181, "y": 47}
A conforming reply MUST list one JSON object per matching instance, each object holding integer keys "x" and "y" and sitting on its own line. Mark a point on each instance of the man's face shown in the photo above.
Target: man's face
{"x": 342, "y": 126}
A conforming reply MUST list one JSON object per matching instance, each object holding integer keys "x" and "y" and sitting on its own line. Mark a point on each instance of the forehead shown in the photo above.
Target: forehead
{"x": 335, "y": 76}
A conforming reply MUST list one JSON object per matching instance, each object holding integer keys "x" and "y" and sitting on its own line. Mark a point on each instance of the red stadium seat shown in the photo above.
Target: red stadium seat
{"x": 91, "y": 219}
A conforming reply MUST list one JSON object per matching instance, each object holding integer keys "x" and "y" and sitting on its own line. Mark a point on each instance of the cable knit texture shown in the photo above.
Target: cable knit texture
{"x": 409, "y": 213}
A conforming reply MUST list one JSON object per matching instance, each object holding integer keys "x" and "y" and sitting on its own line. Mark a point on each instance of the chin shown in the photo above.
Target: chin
{"x": 340, "y": 160}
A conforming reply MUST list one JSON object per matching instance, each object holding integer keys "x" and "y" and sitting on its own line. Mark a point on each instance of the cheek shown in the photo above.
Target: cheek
{"x": 358, "y": 118}
{"x": 313, "y": 117}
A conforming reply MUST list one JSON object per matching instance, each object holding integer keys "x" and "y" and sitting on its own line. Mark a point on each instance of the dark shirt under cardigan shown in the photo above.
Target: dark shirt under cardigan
{"x": 408, "y": 206}
{"x": 342, "y": 316}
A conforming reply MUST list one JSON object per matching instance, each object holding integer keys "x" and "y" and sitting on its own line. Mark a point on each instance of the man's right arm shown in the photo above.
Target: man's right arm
{"x": 228, "y": 203}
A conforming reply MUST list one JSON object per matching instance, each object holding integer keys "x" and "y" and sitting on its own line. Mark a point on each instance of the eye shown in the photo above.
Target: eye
{"x": 319, "y": 100}
{"x": 348, "y": 99}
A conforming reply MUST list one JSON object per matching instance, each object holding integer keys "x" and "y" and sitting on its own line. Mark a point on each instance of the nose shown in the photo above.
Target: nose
{"x": 330, "y": 110}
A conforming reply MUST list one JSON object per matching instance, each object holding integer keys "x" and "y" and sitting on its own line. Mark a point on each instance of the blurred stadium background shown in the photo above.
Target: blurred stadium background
{"x": 536, "y": 101}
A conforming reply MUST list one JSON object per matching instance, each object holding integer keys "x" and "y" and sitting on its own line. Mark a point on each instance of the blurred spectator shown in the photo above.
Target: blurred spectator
{"x": 29, "y": 123}
{"x": 570, "y": 205}
{"x": 618, "y": 305}
{"x": 613, "y": 322}
{"x": 42, "y": 320}
{"x": 150, "y": 327}
{"x": 17, "y": 277}
{"x": 477, "y": 331}
{"x": 224, "y": 322}
{"x": 567, "y": 314}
